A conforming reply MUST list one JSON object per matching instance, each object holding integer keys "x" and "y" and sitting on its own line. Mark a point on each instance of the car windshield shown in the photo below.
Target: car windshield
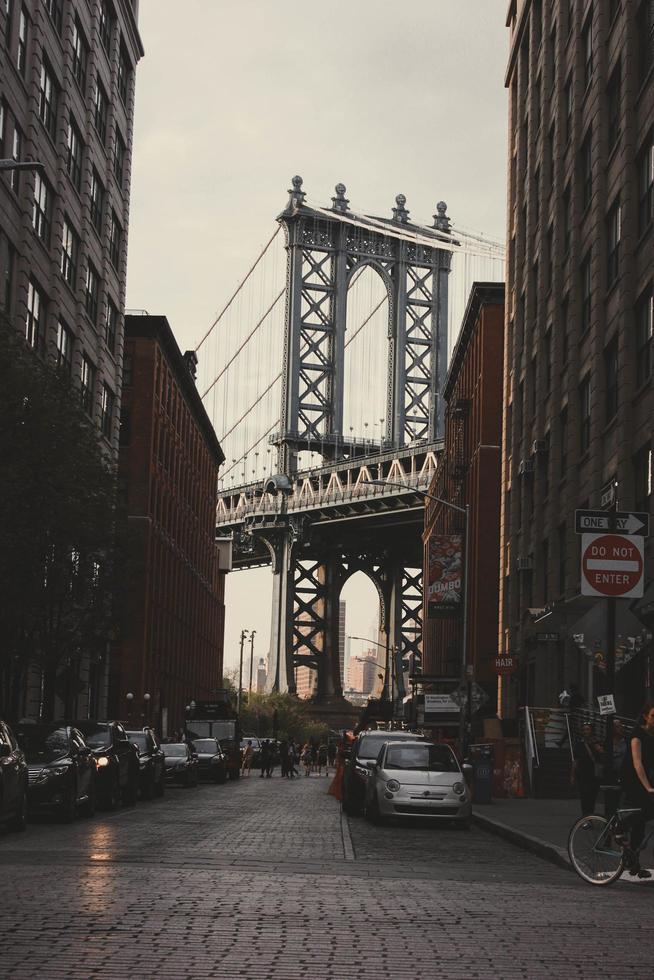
{"x": 175, "y": 749}
{"x": 140, "y": 739}
{"x": 205, "y": 745}
{"x": 427, "y": 758}
{"x": 44, "y": 744}
{"x": 370, "y": 745}
{"x": 97, "y": 736}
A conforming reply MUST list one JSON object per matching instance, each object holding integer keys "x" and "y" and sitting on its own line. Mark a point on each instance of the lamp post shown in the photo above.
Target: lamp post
{"x": 252, "y": 635}
{"x": 146, "y": 702}
{"x": 465, "y": 716}
{"x": 129, "y": 697}
{"x": 384, "y": 647}
{"x": 244, "y": 634}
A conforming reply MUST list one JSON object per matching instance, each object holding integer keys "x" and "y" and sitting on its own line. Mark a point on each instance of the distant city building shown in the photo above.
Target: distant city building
{"x": 363, "y": 672}
{"x": 341, "y": 639}
{"x": 172, "y": 638}
{"x": 262, "y": 676}
{"x": 67, "y": 101}
{"x": 578, "y": 395}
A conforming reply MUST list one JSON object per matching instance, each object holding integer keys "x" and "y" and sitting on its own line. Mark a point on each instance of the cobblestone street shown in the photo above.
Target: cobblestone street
{"x": 261, "y": 879}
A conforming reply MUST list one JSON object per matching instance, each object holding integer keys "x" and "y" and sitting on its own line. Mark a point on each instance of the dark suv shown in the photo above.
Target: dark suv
{"x": 62, "y": 769}
{"x": 152, "y": 763}
{"x": 212, "y": 761}
{"x": 117, "y": 760}
{"x": 364, "y": 751}
{"x": 13, "y": 781}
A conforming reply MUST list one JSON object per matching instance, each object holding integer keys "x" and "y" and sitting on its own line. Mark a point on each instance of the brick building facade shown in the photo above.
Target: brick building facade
{"x": 172, "y": 641}
{"x": 469, "y": 472}
{"x": 578, "y": 399}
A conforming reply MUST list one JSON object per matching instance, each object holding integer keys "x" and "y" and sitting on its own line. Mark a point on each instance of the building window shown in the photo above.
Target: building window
{"x": 547, "y": 358}
{"x": 613, "y": 232}
{"x": 645, "y": 38}
{"x": 586, "y": 169}
{"x": 64, "y": 348}
{"x": 115, "y": 240}
{"x": 536, "y": 195}
{"x": 565, "y": 337}
{"x": 87, "y": 384}
{"x": 549, "y": 258}
{"x": 534, "y": 291}
{"x": 119, "y": 158}
{"x": 551, "y": 58}
{"x": 563, "y": 433}
{"x": 42, "y": 208}
{"x": 97, "y": 201}
{"x": 611, "y": 379}
{"x": 92, "y": 292}
{"x": 645, "y": 184}
{"x": 106, "y": 411}
{"x": 614, "y": 6}
{"x": 48, "y": 100}
{"x": 566, "y": 208}
{"x": 69, "y": 253}
{"x": 55, "y": 9}
{"x": 7, "y": 254}
{"x": 567, "y": 109}
{"x": 551, "y": 151}
{"x": 111, "y": 325}
{"x": 613, "y": 100}
{"x": 35, "y": 315}
{"x": 100, "y": 109}
{"x": 643, "y": 478}
{"x": 586, "y": 294}
{"x": 124, "y": 74}
{"x": 584, "y": 415}
{"x": 16, "y": 154}
{"x": 80, "y": 55}
{"x": 21, "y": 53}
{"x": 106, "y": 25}
{"x": 587, "y": 47}
{"x": 537, "y": 104}
{"x": 8, "y": 22}
{"x": 75, "y": 153}
{"x": 644, "y": 332}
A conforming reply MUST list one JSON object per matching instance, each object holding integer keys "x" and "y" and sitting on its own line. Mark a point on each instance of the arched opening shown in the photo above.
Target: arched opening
{"x": 242, "y": 613}
{"x": 365, "y": 382}
{"x": 362, "y": 643}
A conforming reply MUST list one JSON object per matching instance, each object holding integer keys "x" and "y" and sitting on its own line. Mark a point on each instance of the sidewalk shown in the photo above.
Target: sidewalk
{"x": 539, "y": 826}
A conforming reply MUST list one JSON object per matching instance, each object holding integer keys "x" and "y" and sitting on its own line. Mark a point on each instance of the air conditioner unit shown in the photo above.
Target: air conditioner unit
{"x": 525, "y": 467}
{"x": 525, "y": 564}
{"x": 539, "y": 446}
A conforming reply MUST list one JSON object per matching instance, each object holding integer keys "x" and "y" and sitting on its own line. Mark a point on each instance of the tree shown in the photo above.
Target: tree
{"x": 293, "y": 718}
{"x": 57, "y": 528}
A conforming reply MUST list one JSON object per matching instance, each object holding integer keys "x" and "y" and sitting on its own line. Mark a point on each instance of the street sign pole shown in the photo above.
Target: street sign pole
{"x": 609, "y": 777}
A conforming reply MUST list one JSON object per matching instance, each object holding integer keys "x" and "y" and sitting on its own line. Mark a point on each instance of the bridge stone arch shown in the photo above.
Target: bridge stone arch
{"x": 324, "y": 247}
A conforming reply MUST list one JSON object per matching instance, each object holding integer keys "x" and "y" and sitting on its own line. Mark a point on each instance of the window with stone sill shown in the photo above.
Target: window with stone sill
{"x": 644, "y": 334}
{"x": 97, "y": 201}
{"x": 124, "y": 74}
{"x": 65, "y": 342}
{"x": 115, "y": 240}
{"x": 100, "y": 111}
{"x": 586, "y": 170}
{"x": 567, "y": 109}
{"x": 613, "y": 235}
{"x": 585, "y": 286}
{"x": 566, "y": 218}
{"x": 35, "y": 318}
{"x": 645, "y": 39}
{"x": 69, "y": 253}
{"x": 21, "y": 51}
{"x": 643, "y": 475}
{"x": 74, "y": 154}
{"x": 48, "y": 97}
{"x": 111, "y": 325}
{"x": 87, "y": 384}
{"x": 42, "y": 208}
{"x": 107, "y": 18}
{"x": 119, "y": 157}
{"x": 9, "y": 24}
{"x": 613, "y": 100}
{"x": 107, "y": 400}
{"x": 92, "y": 292}
{"x": 587, "y": 47}
{"x": 55, "y": 8}
{"x": 16, "y": 154}
{"x": 645, "y": 165}
{"x": 80, "y": 55}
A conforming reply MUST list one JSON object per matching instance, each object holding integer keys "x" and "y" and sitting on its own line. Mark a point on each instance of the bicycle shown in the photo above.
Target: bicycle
{"x": 599, "y": 849}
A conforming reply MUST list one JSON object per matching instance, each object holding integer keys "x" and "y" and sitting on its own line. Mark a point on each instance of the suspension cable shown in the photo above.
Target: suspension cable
{"x": 240, "y": 286}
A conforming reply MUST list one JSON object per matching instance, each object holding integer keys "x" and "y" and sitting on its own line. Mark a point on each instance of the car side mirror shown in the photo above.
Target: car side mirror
{"x": 5, "y": 750}
{"x": 137, "y": 748}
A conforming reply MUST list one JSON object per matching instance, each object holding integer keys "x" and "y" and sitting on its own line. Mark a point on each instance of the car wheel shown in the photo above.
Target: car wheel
{"x": 160, "y": 787}
{"x": 69, "y": 806}
{"x": 19, "y": 821}
{"x": 372, "y": 811}
{"x": 150, "y": 787}
{"x": 88, "y": 808}
{"x": 131, "y": 791}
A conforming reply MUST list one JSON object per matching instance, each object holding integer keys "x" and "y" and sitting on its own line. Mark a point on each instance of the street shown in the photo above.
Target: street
{"x": 260, "y": 879}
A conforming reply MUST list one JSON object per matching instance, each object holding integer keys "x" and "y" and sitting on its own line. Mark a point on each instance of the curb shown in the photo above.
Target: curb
{"x": 536, "y": 845}
{"x": 348, "y": 847}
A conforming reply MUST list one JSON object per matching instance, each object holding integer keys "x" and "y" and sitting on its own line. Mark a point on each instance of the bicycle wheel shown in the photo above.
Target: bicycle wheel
{"x": 593, "y": 852}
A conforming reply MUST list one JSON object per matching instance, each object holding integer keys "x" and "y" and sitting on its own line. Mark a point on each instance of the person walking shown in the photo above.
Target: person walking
{"x": 264, "y": 757}
{"x": 292, "y": 759}
{"x": 586, "y": 768}
{"x": 248, "y": 756}
{"x": 638, "y": 784}
{"x": 322, "y": 759}
{"x": 272, "y": 758}
{"x": 306, "y": 759}
{"x": 331, "y": 752}
{"x": 283, "y": 757}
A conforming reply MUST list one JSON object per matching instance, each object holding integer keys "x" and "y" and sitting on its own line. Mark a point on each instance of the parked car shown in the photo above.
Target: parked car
{"x": 13, "y": 780}
{"x": 117, "y": 760}
{"x": 363, "y": 754}
{"x": 62, "y": 770}
{"x": 417, "y": 779}
{"x": 212, "y": 761}
{"x": 152, "y": 763}
{"x": 181, "y": 763}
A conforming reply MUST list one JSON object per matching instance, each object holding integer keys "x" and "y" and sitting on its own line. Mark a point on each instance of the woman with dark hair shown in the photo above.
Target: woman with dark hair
{"x": 638, "y": 782}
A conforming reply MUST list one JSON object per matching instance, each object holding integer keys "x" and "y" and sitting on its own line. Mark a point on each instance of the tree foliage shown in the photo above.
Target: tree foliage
{"x": 293, "y": 717}
{"x": 57, "y": 524}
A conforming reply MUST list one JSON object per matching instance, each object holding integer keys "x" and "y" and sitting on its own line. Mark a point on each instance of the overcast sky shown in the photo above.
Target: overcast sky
{"x": 233, "y": 97}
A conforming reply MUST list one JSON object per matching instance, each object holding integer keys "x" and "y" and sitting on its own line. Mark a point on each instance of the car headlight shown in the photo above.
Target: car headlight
{"x": 103, "y": 761}
{"x": 459, "y": 789}
{"x": 392, "y": 785}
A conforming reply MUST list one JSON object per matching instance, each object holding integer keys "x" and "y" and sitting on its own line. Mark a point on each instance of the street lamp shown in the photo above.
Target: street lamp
{"x": 129, "y": 697}
{"x": 252, "y": 635}
{"x": 244, "y": 634}
{"x": 21, "y": 165}
{"x": 464, "y": 651}
{"x": 385, "y": 648}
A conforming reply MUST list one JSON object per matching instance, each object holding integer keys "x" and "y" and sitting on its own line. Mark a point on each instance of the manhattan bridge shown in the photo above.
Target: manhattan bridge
{"x": 322, "y": 375}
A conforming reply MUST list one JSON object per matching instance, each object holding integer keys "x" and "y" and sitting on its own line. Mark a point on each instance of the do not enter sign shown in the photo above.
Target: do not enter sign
{"x": 612, "y": 565}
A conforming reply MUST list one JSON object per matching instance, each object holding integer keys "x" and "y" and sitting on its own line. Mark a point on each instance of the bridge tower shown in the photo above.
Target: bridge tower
{"x": 326, "y": 248}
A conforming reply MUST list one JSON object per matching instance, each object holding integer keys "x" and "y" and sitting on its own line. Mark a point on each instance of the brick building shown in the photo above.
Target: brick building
{"x": 469, "y": 472}
{"x": 578, "y": 400}
{"x": 172, "y": 640}
{"x": 362, "y": 673}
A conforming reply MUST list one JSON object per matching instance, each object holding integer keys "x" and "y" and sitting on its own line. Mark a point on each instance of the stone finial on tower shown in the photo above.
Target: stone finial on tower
{"x": 296, "y": 194}
{"x": 340, "y": 202}
{"x": 441, "y": 220}
{"x": 191, "y": 362}
{"x": 400, "y": 213}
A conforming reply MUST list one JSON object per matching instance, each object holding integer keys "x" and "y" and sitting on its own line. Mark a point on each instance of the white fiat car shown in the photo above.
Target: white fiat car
{"x": 417, "y": 779}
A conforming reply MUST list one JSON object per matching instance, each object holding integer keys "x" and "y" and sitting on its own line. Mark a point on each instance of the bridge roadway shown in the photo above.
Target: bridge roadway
{"x": 260, "y": 880}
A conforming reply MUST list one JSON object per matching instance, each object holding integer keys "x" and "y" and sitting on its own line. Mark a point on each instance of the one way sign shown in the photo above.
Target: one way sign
{"x": 625, "y": 522}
